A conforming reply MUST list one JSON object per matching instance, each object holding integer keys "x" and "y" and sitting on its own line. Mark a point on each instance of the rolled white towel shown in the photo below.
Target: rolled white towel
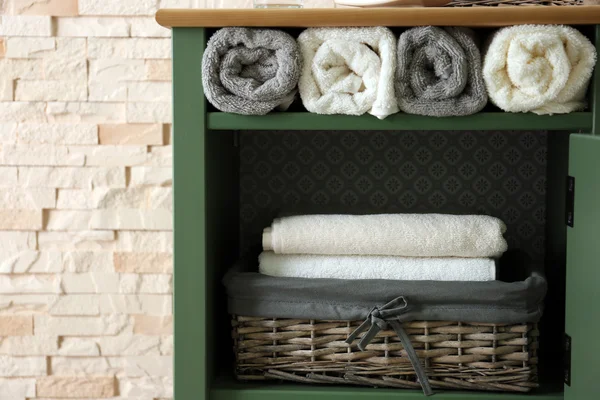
{"x": 348, "y": 71}
{"x": 544, "y": 69}
{"x": 377, "y": 267}
{"x": 409, "y": 235}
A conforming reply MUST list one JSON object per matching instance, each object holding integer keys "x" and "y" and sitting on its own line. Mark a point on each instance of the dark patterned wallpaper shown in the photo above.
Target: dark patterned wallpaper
{"x": 502, "y": 174}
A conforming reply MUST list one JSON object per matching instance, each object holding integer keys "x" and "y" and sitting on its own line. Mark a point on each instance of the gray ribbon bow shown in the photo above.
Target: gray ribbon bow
{"x": 381, "y": 318}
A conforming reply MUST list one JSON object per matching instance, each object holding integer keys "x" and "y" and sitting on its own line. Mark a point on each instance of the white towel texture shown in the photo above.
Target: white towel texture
{"x": 408, "y": 235}
{"x": 544, "y": 69}
{"x": 348, "y": 71}
{"x": 377, "y": 267}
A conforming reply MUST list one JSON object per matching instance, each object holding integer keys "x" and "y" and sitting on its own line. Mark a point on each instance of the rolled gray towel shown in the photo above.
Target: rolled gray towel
{"x": 439, "y": 72}
{"x": 250, "y": 71}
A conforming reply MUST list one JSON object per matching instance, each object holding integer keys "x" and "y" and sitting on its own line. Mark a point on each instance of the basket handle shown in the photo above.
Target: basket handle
{"x": 381, "y": 318}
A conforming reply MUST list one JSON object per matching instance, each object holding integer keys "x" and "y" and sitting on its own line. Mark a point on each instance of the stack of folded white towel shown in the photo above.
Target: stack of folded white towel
{"x": 385, "y": 246}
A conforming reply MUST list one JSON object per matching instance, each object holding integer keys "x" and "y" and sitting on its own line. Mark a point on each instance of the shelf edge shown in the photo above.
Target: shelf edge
{"x": 410, "y": 16}
{"x": 494, "y": 121}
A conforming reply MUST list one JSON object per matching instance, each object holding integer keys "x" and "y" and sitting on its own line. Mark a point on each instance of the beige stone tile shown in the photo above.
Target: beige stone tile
{"x": 146, "y": 283}
{"x": 67, "y": 220}
{"x": 69, "y": 241}
{"x": 22, "y": 111}
{"x": 107, "y": 325}
{"x": 6, "y": 89}
{"x": 16, "y": 325}
{"x": 30, "y": 262}
{"x": 74, "y": 346}
{"x": 39, "y": 155}
{"x": 90, "y": 387}
{"x": 22, "y": 366}
{"x": 71, "y": 177}
{"x": 29, "y": 346}
{"x": 159, "y": 70}
{"x": 57, "y": 133}
{"x": 159, "y": 156}
{"x": 92, "y": 26}
{"x": 14, "y": 241}
{"x": 17, "y": 25}
{"x": 107, "y": 91}
{"x": 144, "y": 263}
{"x": 88, "y": 261}
{"x": 151, "y": 325}
{"x": 8, "y": 178}
{"x": 151, "y": 176}
{"x": 21, "y": 220}
{"x": 128, "y": 344}
{"x": 117, "y": 7}
{"x": 17, "y": 389}
{"x": 133, "y": 366}
{"x": 8, "y": 131}
{"x": 93, "y": 112}
{"x": 112, "y": 155}
{"x": 147, "y": 134}
{"x": 111, "y": 70}
{"x": 27, "y": 199}
{"x": 65, "y": 68}
{"x": 132, "y": 219}
{"x": 25, "y": 304}
{"x": 167, "y": 345}
{"x": 25, "y": 283}
{"x": 144, "y": 112}
{"x": 147, "y": 27}
{"x": 97, "y": 304}
{"x": 156, "y": 387}
{"x": 136, "y": 48}
{"x": 42, "y": 7}
{"x": 29, "y": 47}
{"x": 50, "y": 90}
{"x": 21, "y": 69}
{"x": 145, "y": 241}
{"x": 145, "y": 91}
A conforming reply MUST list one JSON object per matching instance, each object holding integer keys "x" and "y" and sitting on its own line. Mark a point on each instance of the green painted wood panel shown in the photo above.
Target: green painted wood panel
{"x": 273, "y": 391}
{"x": 552, "y": 326}
{"x": 583, "y": 270}
{"x": 595, "y": 89}
{"x": 398, "y": 122}
{"x": 192, "y": 360}
{"x": 369, "y": 394}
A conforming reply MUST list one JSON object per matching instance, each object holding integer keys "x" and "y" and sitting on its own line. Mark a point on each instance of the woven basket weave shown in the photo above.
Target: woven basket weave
{"x": 455, "y": 355}
{"x": 493, "y": 3}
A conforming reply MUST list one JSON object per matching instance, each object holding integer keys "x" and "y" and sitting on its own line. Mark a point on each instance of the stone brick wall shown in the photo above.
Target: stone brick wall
{"x": 86, "y": 199}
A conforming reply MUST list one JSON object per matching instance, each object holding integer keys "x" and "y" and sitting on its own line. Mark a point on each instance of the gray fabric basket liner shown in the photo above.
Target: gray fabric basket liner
{"x": 253, "y": 294}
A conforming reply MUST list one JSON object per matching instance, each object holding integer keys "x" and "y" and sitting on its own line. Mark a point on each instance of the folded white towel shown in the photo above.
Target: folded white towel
{"x": 409, "y": 235}
{"x": 348, "y": 71}
{"x": 377, "y": 267}
{"x": 544, "y": 69}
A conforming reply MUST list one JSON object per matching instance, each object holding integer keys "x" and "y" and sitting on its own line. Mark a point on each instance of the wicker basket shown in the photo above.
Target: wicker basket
{"x": 494, "y": 3}
{"x": 455, "y": 355}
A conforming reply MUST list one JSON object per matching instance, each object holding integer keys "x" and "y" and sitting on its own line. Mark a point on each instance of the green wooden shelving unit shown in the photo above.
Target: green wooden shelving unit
{"x": 581, "y": 121}
{"x": 206, "y": 184}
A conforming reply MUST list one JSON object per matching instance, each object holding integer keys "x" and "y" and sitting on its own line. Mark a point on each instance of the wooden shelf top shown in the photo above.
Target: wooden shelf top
{"x": 412, "y": 16}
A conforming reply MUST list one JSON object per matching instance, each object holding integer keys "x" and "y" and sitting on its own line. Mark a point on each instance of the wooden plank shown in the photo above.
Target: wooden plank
{"x": 595, "y": 89}
{"x": 412, "y": 16}
{"x": 268, "y": 390}
{"x": 293, "y": 121}
{"x": 583, "y": 272}
{"x": 192, "y": 358}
